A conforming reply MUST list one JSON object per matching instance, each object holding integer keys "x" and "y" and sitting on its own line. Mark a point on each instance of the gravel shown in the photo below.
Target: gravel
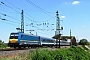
{"x": 13, "y": 53}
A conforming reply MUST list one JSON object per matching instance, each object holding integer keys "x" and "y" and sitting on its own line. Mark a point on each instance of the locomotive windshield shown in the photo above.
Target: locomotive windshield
{"x": 14, "y": 36}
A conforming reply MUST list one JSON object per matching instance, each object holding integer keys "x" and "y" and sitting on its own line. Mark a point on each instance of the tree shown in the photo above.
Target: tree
{"x": 0, "y": 41}
{"x": 2, "y": 44}
{"x": 83, "y": 42}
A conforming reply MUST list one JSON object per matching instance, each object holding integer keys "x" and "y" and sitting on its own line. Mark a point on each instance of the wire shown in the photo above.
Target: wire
{"x": 10, "y": 20}
{"x": 13, "y": 5}
{"x": 44, "y": 11}
{"x": 9, "y": 23}
{"x": 10, "y": 7}
{"x": 7, "y": 11}
{"x": 13, "y": 18}
{"x": 49, "y": 19}
{"x": 10, "y": 17}
{"x": 7, "y": 20}
{"x": 20, "y": 9}
{"x": 42, "y": 29}
{"x": 36, "y": 22}
{"x": 26, "y": 13}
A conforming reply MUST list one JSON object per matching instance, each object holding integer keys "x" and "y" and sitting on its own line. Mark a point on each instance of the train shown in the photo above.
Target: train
{"x": 20, "y": 39}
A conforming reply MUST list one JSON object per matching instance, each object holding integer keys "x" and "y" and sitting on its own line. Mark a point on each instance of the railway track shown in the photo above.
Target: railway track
{"x": 11, "y": 49}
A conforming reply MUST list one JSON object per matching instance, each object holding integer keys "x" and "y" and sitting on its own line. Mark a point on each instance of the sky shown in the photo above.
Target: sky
{"x": 40, "y": 16}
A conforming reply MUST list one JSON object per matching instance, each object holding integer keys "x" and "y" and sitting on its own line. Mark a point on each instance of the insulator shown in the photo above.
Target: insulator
{"x": 26, "y": 25}
{"x": 3, "y": 19}
{"x": 61, "y": 28}
{"x": 37, "y": 24}
{"x": 4, "y": 14}
{"x": 2, "y": 2}
{"x": 57, "y": 12}
{"x": 52, "y": 24}
{"x": 40, "y": 24}
{"x": 32, "y": 26}
{"x": 31, "y": 23}
{"x": 52, "y": 29}
{"x": 26, "y": 30}
{"x": 45, "y": 23}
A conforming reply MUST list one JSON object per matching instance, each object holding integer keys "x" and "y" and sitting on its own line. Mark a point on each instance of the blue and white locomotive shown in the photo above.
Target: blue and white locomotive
{"x": 26, "y": 40}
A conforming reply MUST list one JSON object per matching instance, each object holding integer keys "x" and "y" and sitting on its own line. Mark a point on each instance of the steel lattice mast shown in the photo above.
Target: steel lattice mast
{"x": 22, "y": 21}
{"x": 57, "y": 24}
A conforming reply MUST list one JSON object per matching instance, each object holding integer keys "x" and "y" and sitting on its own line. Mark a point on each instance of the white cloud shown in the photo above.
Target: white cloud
{"x": 75, "y": 2}
{"x": 62, "y": 17}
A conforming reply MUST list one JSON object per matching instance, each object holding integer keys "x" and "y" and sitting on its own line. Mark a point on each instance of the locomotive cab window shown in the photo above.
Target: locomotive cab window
{"x": 14, "y": 36}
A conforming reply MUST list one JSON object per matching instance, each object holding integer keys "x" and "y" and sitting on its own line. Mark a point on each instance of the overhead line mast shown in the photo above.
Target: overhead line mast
{"x": 57, "y": 24}
{"x": 22, "y": 21}
{"x": 58, "y": 27}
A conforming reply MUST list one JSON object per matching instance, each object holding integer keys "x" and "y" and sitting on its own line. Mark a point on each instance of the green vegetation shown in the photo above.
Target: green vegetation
{"x": 84, "y": 47}
{"x": 72, "y": 53}
{"x": 83, "y": 42}
{"x": 2, "y": 44}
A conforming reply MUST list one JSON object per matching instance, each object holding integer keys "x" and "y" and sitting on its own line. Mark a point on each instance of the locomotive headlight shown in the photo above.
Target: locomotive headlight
{"x": 13, "y": 40}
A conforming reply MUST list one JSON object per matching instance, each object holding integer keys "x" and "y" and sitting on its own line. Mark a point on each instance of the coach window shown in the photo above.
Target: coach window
{"x": 21, "y": 36}
{"x": 44, "y": 40}
{"x": 51, "y": 41}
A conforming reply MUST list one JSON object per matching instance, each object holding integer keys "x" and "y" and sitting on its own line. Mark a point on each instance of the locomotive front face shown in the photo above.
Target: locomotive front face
{"x": 13, "y": 38}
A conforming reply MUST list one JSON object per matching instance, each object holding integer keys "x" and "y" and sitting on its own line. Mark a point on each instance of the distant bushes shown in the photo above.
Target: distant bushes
{"x": 83, "y": 42}
{"x": 2, "y": 44}
{"x": 73, "y": 53}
